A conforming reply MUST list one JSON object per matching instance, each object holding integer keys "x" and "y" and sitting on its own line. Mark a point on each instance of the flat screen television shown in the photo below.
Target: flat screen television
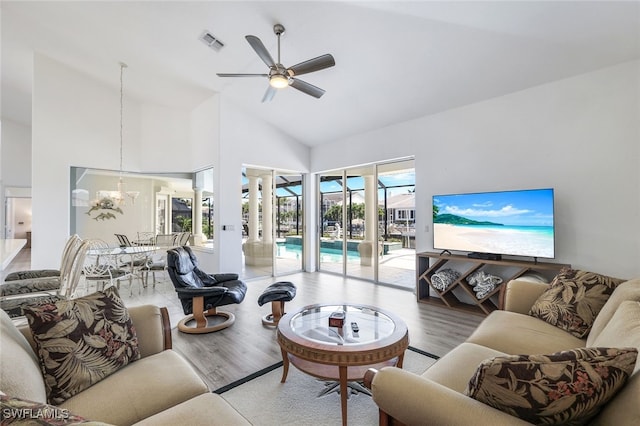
{"x": 516, "y": 223}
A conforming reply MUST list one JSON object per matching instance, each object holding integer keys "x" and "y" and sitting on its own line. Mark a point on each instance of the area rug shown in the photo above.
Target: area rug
{"x": 263, "y": 400}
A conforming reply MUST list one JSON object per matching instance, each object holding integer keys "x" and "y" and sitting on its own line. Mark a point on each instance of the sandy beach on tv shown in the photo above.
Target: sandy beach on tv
{"x": 499, "y": 240}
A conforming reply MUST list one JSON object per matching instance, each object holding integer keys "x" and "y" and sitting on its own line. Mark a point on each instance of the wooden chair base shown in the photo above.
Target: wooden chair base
{"x": 198, "y": 323}
{"x": 277, "y": 311}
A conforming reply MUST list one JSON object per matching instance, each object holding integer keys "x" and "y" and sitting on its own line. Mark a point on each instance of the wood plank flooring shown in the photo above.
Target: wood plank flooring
{"x": 247, "y": 346}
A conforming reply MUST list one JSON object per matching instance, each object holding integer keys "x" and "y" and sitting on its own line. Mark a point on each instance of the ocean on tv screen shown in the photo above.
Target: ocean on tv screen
{"x": 518, "y": 223}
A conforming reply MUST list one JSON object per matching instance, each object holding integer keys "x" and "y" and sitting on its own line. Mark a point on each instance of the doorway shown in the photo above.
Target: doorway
{"x": 17, "y": 214}
{"x": 272, "y": 222}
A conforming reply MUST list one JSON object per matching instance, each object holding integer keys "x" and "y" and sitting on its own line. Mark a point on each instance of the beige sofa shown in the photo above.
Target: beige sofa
{"x": 437, "y": 396}
{"x": 161, "y": 388}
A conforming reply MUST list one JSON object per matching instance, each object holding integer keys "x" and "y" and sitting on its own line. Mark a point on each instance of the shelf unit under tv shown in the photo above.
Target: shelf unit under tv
{"x": 428, "y": 263}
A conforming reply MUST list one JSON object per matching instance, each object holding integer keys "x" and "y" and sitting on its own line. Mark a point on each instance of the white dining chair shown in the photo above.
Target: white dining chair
{"x": 101, "y": 266}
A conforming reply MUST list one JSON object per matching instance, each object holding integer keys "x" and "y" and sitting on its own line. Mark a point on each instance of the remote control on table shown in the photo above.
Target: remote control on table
{"x": 354, "y": 327}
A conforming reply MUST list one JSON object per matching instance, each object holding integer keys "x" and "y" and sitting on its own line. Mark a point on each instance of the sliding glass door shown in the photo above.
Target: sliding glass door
{"x": 367, "y": 222}
{"x": 397, "y": 205}
{"x": 331, "y": 217}
{"x": 288, "y": 223}
{"x": 361, "y": 235}
{"x": 272, "y": 222}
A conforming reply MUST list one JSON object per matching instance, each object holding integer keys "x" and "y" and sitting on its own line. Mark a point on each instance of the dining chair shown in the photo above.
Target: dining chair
{"x": 182, "y": 238}
{"x": 158, "y": 262}
{"x": 70, "y": 274}
{"x": 123, "y": 240}
{"x": 72, "y": 241}
{"x": 101, "y": 266}
{"x": 145, "y": 238}
{"x": 166, "y": 240}
{"x": 41, "y": 280}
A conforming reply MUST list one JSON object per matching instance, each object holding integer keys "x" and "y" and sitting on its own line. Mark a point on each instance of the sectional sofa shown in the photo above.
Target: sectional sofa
{"x": 159, "y": 388}
{"x": 441, "y": 395}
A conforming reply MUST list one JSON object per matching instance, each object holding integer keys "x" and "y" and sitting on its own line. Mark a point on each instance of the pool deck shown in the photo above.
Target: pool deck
{"x": 396, "y": 266}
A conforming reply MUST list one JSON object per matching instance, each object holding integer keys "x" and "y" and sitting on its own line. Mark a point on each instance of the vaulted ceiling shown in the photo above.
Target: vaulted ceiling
{"x": 395, "y": 61}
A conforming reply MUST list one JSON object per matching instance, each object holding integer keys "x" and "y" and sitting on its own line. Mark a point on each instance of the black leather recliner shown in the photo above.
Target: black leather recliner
{"x": 201, "y": 293}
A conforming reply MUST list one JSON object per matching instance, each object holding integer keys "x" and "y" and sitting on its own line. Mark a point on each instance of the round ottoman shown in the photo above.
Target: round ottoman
{"x": 277, "y": 294}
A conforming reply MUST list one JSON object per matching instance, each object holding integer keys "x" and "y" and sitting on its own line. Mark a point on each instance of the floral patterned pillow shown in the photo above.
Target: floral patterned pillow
{"x": 573, "y": 300}
{"x": 81, "y": 341}
{"x": 567, "y": 387}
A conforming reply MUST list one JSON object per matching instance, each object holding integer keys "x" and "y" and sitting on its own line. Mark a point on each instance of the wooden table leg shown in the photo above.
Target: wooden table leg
{"x": 285, "y": 365}
{"x": 343, "y": 393}
{"x": 400, "y": 360}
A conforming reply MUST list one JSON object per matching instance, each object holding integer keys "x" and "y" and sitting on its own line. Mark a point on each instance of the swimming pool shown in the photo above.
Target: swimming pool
{"x": 327, "y": 255}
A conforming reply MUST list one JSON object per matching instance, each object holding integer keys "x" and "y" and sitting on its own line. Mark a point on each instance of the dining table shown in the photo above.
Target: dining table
{"x": 134, "y": 257}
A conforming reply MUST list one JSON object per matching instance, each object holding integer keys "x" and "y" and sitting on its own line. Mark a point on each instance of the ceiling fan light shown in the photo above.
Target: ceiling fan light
{"x": 278, "y": 81}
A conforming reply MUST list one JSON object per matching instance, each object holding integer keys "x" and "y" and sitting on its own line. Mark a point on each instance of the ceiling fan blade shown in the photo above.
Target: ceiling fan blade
{"x": 261, "y": 50}
{"x": 269, "y": 94}
{"x": 315, "y": 64}
{"x": 307, "y": 88}
{"x": 241, "y": 75}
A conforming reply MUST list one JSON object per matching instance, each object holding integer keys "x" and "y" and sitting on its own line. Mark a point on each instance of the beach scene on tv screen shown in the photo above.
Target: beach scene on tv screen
{"x": 518, "y": 223}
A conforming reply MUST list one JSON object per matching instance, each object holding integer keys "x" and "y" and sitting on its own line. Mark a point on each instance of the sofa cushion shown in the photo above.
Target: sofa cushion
{"x": 22, "y": 411}
{"x": 623, "y": 330}
{"x": 574, "y": 299}
{"x": 454, "y": 369}
{"x": 514, "y": 333}
{"x": 629, "y": 290}
{"x": 145, "y": 387}
{"x": 20, "y": 374}
{"x": 567, "y": 387}
{"x": 81, "y": 341}
{"x": 208, "y": 408}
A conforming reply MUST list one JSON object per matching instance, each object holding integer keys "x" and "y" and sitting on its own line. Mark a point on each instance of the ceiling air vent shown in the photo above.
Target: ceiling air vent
{"x": 211, "y": 41}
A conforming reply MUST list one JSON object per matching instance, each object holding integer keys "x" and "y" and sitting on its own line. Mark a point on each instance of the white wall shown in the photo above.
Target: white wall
{"x": 165, "y": 139}
{"x": 16, "y": 154}
{"x": 76, "y": 123}
{"x": 205, "y": 133}
{"x": 580, "y": 136}
{"x": 245, "y": 140}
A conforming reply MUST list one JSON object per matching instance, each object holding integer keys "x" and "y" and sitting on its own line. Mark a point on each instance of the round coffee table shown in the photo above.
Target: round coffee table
{"x": 340, "y": 353}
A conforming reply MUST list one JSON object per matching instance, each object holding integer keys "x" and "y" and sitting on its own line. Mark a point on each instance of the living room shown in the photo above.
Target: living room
{"x": 572, "y": 125}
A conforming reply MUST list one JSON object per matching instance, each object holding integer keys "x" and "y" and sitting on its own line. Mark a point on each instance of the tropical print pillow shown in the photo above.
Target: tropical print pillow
{"x": 81, "y": 341}
{"x": 574, "y": 299}
{"x": 567, "y": 387}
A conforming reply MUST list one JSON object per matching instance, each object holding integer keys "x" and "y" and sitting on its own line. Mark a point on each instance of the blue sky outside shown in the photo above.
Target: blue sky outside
{"x": 514, "y": 208}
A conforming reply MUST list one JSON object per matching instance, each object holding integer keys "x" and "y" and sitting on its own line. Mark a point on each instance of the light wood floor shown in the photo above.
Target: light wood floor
{"x": 247, "y": 346}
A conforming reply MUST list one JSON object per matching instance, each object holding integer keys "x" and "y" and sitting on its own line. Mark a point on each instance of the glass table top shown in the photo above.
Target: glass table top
{"x": 313, "y": 324}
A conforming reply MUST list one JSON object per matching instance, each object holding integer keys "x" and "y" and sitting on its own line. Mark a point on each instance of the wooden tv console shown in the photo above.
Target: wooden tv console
{"x": 428, "y": 263}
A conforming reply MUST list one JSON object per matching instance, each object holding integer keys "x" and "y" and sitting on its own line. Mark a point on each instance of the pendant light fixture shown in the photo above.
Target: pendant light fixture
{"x": 122, "y": 193}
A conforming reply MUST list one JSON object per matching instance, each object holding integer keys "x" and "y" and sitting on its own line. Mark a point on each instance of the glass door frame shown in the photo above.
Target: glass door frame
{"x": 345, "y": 220}
{"x": 259, "y": 173}
{"x": 378, "y": 170}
